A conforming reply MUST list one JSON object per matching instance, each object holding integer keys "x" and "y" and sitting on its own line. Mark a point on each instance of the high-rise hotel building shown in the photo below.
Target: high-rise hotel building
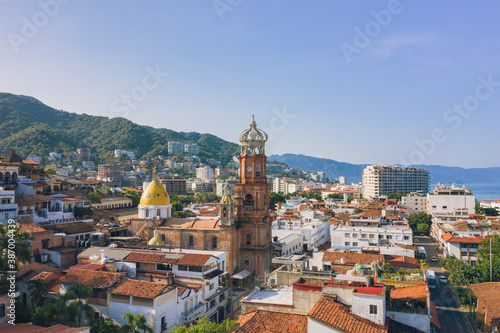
{"x": 380, "y": 180}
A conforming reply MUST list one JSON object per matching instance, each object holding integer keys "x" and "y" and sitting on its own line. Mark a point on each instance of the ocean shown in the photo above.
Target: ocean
{"x": 482, "y": 191}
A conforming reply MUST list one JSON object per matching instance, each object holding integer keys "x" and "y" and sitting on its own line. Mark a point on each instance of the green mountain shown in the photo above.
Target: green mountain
{"x": 30, "y": 127}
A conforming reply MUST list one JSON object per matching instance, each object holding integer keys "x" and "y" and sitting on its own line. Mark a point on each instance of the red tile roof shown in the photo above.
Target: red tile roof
{"x": 28, "y": 328}
{"x": 448, "y": 237}
{"x": 96, "y": 279}
{"x": 489, "y": 296}
{"x": 337, "y": 316}
{"x": 402, "y": 261}
{"x": 351, "y": 257}
{"x": 32, "y": 228}
{"x": 150, "y": 257}
{"x": 138, "y": 288}
{"x": 415, "y": 292}
{"x": 90, "y": 267}
{"x": 194, "y": 259}
{"x": 260, "y": 321}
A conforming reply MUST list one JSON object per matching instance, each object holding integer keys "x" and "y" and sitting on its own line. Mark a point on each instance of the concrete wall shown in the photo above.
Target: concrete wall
{"x": 361, "y": 307}
{"x": 314, "y": 326}
{"x": 304, "y": 300}
{"x": 344, "y": 294}
{"x": 421, "y": 322}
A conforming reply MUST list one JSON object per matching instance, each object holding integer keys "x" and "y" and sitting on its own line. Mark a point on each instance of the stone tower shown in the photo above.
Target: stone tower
{"x": 252, "y": 205}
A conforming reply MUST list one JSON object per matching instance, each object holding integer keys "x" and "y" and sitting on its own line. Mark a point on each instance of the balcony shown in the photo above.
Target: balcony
{"x": 193, "y": 313}
{"x": 8, "y": 207}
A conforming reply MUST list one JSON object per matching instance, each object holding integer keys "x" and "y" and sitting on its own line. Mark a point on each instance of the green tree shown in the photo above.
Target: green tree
{"x": 14, "y": 255}
{"x": 336, "y": 196}
{"x": 464, "y": 275}
{"x": 423, "y": 265}
{"x": 94, "y": 197}
{"x": 274, "y": 198}
{"x": 396, "y": 195}
{"x": 107, "y": 325}
{"x": 311, "y": 195}
{"x": 423, "y": 228}
{"x": 135, "y": 323}
{"x": 205, "y": 325}
{"x": 451, "y": 263}
{"x": 176, "y": 206}
{"x": 37, "y": 289}
{"x": 50, "y": 171}
{"x": 421, "y": 217}
{"x": 135, "y": 196}
{"x": 79, "y": 294}
{"x": 483, "y": 265}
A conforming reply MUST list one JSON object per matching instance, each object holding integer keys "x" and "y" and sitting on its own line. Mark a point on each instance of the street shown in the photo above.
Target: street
{"x": 451, "y": 317}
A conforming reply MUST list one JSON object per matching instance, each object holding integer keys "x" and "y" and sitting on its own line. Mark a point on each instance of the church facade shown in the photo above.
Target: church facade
{"x": 242, "y": 230}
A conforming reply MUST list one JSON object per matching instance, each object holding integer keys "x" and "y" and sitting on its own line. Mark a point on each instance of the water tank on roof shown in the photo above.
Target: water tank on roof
{"x": 343, "y": 260}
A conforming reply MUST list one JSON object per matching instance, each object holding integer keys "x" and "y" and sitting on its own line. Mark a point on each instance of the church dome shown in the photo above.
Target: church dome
{"x": 155, "y": 195}
{"x": 156, "y": 240}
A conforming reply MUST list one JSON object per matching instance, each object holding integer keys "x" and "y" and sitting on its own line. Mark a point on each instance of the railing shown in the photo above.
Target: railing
{"x": 420, "y": 311}
{"x": 193, "y": 313}
{"x": 10, "y": 207}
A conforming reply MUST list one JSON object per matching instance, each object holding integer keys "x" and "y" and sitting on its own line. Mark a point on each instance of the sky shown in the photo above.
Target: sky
{"x": 385, "y": 82}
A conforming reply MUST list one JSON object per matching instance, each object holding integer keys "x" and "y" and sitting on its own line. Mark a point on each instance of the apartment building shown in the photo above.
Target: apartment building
{"x": 415, "y": 202}
{"x": 175, "y": 147}
{"x": 378, "y": 180}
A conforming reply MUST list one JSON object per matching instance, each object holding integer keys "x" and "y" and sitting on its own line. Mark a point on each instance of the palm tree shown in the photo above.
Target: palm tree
{"x": 21, "y": 250}
{"x": 79, "y": 294}
{"x": 60, "y": 310}
{"x": 135, "y": 324}
{"x": 37, "y": 290}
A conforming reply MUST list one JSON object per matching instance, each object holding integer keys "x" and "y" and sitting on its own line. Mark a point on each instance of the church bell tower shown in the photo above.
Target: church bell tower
{"x": 252, "y": 204}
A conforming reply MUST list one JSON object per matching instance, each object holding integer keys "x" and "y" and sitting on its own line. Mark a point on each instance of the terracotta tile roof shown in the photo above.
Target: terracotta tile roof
{"x": 260, "y": 321}
{"x": 28, "y": 328}
{"x": 150, "y": 257}
{"x": 448, "y": 237}
{"x": 370, "y": 213}
{"x": 96, "y": 279}
{"x": 71, "y": 228}
{"x": 31, "y": 199}
{"x": 337, "y": 316}
{"x": 415, "y": 292}
{"x": 489, "y": 296}
{"x": 434, "y": 316}
{"x": 352, "y": 257}
{"x": 51, "y": 278}
{"x": 409, "y": 247}
{"x": 91, "y": 267}
{"x": 194, "y": 259}
{"x": 402, "y": 261}
{"x": 138, "y": 288}
{"x": 32, "y": 228}
{"x": 33, "y": 268}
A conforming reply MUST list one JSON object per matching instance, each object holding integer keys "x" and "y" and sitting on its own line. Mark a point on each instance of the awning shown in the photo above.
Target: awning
{"x": 241, "y": 275}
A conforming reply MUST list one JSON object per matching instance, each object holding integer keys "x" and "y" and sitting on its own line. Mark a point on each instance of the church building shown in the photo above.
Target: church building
{"x": 242, "y": 229}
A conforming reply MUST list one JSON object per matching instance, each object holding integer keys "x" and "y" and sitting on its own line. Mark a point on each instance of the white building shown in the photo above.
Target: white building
{"x": 8, "y": 206}
{"x": 378, "y": 180}
{"x": 219, "y": 189}
{"x": 175, "y": 147}
{"x": 368, "y": 236}
{"x": 313, "y": 234}
{"x": 130, "y": 154}
{"x": 287, "y": 244}
{"x": 204, "y": 173}
{"x": 415, "y": 202}
{"x": 446, "y": 200}
{"x": 192, "y": 148}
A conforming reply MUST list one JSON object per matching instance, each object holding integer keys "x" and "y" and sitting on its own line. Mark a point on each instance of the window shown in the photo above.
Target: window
{"x": 147, "y": 213}
{"x": 354, "y": 235}
{"x": 363, "y": 235}
{"x": 214, "y": 242}
{"x": 373, "y": 309}
{"x": 190, "y": 241}
{"x": 249, "y": 239}
{"x": 347, "y": 235}
{"x": 347, "y": 243}
{"x": 444, "y": 207}
{"x": 389, "y": 236}
{"x": 2, "y": 310}
{"x": 182, "y": 267}
{"x": 45, "y": 243}
{"x": 407, "y": 237}
{"x": 355, "y": 244}
{"x": 246, "y": 262}
{"x": 163, "y": 324}
{"x": 248, "y": 203}
{"x": 372, "y": 236}
{"x": 464, "y": 254}
{"x": 163, "y": 267}
{"x": 137, "y": 265}
{"x": 158, "y": 212}
{"x": 211, "y": 286}
{"x": 380, "y": 236}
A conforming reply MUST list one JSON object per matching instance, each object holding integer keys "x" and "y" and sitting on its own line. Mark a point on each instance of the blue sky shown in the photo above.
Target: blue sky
{"x": 361, "y": 81}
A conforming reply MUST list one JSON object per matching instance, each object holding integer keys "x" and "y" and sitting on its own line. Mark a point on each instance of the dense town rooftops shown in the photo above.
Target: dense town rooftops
{"x": 70, "y": 228}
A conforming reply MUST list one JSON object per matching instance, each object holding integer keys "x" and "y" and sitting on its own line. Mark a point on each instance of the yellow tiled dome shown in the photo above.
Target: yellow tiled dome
{"x": 156, "y": 240}
{"x": 155, "y": 195}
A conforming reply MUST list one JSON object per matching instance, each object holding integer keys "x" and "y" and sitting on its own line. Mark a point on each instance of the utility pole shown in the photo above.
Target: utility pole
{"x": 491, "y": 267}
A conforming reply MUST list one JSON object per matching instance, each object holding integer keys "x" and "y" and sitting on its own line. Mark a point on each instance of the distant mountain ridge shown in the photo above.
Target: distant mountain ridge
{"x": 353, "y": 172}
{"x": 31, "y": 127}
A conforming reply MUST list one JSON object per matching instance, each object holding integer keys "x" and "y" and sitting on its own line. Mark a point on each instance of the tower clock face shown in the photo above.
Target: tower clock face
{"x": 249, "y": 168}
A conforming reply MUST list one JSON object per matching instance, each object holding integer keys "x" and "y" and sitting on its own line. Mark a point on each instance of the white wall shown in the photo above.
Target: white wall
{"x": 361, "y": 307}
{"x": 314, "y": 326}
{"x": 421, "y": 322}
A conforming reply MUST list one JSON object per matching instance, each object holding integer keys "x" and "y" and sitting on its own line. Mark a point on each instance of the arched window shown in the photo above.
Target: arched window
{"x": 158, "y": 212}
{"x": 224, "y": 212}
{"x": 147, "y": 213}
{"x": 257, "y": 170}
{"x": 248, "y": 203}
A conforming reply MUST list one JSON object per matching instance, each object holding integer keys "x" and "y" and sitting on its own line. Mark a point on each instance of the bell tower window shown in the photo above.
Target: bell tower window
{"x": 248, "y": 203}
